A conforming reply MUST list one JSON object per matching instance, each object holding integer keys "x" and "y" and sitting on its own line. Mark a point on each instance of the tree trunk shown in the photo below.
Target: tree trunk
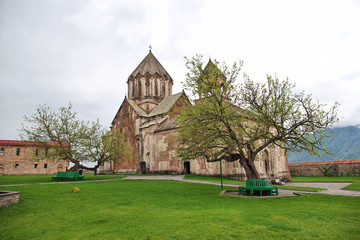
{"x": 250, "y": 169}
{"x": 78, "y": 166}
{"x": 94, "y": 168}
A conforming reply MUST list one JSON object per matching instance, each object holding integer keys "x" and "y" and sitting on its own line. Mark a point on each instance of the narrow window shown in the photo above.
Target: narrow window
{"x": 132, "y": 89}
{"x": 147, "y": 84}
{"x": 35, "y": 166}
{"x": 156, "y": 88}
{"x": 2, "y": 152}
{"x": 18, "y": 152}
{"x": 37, "y": 152}
{"x": 45, "y": 165}
{"x": 46, "y": 152}
{"x": 16, "y": 165}
{"x": 140, "y": 93}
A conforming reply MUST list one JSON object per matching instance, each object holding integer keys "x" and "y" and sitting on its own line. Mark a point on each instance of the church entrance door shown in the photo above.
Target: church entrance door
{"x": 187, "y": 167}
{"x": 142, "y": 167}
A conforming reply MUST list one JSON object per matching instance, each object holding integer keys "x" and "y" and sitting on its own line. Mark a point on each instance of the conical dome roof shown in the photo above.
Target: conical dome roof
{"x": 150, "y": 65}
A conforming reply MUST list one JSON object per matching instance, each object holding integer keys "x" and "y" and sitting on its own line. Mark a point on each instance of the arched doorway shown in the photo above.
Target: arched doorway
{"x": 60, "y": 168}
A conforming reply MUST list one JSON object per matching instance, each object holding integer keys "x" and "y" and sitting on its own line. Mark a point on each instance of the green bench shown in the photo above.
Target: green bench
{"x": 260, "y": 185}
{"x": 69, "y": 175}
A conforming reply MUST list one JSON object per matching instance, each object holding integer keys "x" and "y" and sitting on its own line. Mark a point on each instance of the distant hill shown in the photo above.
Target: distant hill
{"x": 345, "y": 145}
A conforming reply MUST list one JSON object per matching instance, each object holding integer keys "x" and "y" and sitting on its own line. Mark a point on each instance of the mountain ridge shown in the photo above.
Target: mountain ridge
{"x": 344, "y": 144}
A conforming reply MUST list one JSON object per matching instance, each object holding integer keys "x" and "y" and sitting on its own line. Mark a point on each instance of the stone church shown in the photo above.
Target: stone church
{"x": 146, "y": 118}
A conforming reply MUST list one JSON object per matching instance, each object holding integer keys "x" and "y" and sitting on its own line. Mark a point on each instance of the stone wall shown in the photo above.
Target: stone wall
{"x": 7, "y": 198}
{"x": 16, "y": 158}
{"x": 326, "y": 168}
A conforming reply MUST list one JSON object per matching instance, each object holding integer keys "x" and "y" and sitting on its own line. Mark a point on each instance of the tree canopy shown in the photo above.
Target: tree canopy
{"x": 235, "y": 122}
{"x": 63, "y": 136}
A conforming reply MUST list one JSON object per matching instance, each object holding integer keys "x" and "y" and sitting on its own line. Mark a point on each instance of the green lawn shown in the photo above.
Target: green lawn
{"x": 140, "y": 209}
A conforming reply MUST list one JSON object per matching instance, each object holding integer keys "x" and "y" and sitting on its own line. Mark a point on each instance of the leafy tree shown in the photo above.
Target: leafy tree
{"x": 236, "y": 122}
{"x": 63, "y": 136}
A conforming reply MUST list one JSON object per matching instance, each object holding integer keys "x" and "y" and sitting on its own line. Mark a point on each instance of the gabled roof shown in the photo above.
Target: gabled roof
{"x": 170, "y": 125}
{"x": 152, "y": 122}
{"x": 212, "y": 70}
{"x": 150, "y": 65}
{"x": 136, "y": 107}
{"x": 165, "y": 105}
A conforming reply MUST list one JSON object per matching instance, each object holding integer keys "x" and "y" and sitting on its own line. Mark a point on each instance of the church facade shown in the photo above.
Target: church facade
{"x": 147, "y": 119}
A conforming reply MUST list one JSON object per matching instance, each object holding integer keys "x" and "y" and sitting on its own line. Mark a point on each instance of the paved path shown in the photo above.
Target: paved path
{"x": 334, "y": 188}
{"x": 160, "y": 177}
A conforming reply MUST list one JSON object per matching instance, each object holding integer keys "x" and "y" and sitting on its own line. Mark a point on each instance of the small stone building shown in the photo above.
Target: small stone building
{"x": 147, "y": 119}
{"x": 17, "y": 158}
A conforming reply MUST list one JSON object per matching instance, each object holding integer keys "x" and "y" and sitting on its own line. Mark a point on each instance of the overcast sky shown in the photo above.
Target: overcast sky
{"x": 59, "y": 51}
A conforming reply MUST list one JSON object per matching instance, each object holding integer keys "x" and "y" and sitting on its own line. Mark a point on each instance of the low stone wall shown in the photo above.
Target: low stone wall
{"x": 326, "y": 168}
{"x": 7, "y": 198}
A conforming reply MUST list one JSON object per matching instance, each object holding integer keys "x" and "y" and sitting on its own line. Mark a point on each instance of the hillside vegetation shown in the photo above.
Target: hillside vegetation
{"x": 345, "y": 145}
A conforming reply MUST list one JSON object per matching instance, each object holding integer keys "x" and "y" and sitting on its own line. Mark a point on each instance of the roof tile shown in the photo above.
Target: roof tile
{"x": 165, "y": 105}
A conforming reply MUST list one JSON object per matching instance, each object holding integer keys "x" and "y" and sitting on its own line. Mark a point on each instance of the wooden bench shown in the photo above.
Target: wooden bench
{"x": 261, "y": 185}
{"x": 69, "y": 175}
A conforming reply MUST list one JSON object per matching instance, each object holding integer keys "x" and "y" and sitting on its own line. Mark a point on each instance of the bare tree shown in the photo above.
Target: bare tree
{"x": 63, "y": 136}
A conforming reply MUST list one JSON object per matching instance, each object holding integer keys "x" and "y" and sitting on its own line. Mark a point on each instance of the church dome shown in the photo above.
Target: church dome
{"x": 149, "y": 83}
{"x": 150, "y": 65}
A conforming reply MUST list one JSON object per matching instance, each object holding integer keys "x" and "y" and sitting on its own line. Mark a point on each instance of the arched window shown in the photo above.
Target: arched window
{"x": 18, "y": 152}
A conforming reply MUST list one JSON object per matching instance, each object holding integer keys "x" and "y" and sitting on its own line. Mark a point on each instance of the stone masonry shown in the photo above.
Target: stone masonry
{"x": 16, "y": 158}
{"x": 326, "y": 168}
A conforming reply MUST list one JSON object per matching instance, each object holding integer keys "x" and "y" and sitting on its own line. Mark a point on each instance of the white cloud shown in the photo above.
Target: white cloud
{"x": 83, "y": 51}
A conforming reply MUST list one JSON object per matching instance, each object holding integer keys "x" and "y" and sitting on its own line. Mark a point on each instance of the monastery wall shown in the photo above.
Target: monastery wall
{"x": 127, "y": 122}
{"x": 18, "y": 160}
{"x": 326, "y": 168}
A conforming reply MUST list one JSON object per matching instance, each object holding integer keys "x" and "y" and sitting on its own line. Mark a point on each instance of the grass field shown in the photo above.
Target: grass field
{"x": 140, "y": 209}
